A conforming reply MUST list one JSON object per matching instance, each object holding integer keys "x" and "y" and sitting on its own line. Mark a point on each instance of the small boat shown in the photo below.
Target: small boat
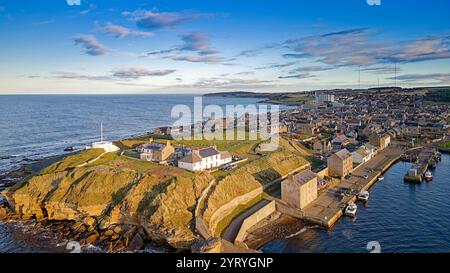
{"x": 381, "y": 178}
{"x": 428, "y": 176}
{"x": 363, "y": 196}
{"x": 68, "y": 149}
{"x": 351, "y": 209}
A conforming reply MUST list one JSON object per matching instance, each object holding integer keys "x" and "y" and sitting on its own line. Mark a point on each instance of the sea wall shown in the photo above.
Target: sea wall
{"x": 254, "y": 219}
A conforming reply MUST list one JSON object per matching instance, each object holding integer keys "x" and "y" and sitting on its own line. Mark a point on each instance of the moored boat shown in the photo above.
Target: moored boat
{"x": 68, "y": 149}
{"x": 363, "y": 196}
{"x": 428, "y": 176}
{"x": 381, "y": 178}
{"x": 351, "y": 209}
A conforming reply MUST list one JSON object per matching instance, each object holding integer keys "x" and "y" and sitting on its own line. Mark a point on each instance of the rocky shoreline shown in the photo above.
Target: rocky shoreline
{"x": 87, "y": 233}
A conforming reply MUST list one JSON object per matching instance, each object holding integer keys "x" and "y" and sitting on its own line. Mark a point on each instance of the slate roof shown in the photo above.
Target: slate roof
{"x": 192, "y": 158}
{"x": 304, "y": 177}
{"x": 343, "y": 154}
{"x": 155, "y": 146}
{"x": 208, "y": 152}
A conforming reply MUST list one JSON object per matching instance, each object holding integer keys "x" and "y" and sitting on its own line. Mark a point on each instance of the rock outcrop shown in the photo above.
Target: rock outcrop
{"x": 106, "y": 200}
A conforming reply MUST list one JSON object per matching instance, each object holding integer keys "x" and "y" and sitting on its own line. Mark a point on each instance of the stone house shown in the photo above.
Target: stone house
{"x": 299, "y": 190}
{"x": 340, "y": 164}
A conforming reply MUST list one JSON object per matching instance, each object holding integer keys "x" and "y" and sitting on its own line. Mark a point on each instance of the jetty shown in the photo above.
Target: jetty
{"x": 427, "y": 158}
{"x": 277, "y": 218}
{"x": 329, "y": 207}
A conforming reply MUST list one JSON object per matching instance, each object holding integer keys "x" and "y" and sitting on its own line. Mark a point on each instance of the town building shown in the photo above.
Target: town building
{"x": 306, "y": 128}
{"x": 204, "y": 159}
{"x": 299, "y": 190}
{"x": 156, "y": 151}
{"x": 381, "y": 141}
{"x": 324, "y": 97}
{"x": 340, "y": 164}
{"x": 322, "y": 146}
{"x": 362, "y": 155}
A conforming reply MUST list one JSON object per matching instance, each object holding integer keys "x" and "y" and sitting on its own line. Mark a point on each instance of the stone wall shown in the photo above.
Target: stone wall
{"x": 227, "y": 209}
{"x": 254, "y": 219}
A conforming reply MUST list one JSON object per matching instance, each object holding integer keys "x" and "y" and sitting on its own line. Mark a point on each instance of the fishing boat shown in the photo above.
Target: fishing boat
{"x": 351, "y": 209}
{"x": 363, "y": 196}
{"x": 428, "y": 176}
{"x": 68, "y": 149}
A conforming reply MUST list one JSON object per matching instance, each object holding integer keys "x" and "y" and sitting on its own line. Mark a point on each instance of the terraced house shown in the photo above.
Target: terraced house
{"x": 340, "y": 164}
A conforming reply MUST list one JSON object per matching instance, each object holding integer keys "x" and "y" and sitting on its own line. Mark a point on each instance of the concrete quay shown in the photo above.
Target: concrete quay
{"x": 329, "y": 207}
{"x": 424, "y": 159}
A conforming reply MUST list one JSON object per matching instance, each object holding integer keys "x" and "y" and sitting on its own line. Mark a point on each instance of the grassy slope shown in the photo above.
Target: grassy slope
{"x": 253, "y": 175}
{"x": 445, "y": 145}
{"x": 116, "y": 189}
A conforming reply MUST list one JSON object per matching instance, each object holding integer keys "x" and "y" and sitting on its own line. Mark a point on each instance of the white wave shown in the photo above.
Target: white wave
{"x": 300, "y": 232}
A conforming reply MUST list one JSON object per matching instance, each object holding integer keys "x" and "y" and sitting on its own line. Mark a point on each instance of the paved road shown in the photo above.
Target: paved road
{"x": 233, "y": 229}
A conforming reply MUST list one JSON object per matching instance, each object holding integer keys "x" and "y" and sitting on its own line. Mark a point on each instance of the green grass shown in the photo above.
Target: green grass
{"x": 115, "y": 159}
{"x": 315, "y": 163}
{"x": 445, "y": 145}
{"x": 72, "y": 161}
{"x": 225, "y": 222}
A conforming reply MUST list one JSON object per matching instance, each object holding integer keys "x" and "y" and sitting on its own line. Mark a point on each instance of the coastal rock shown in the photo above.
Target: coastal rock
{"x": 136, "y": 243}
{"x": 4, "y": 212}
{"x": 109, "y": 233}
{"x": 92, "y": 239}
{"x": 89, "y": 221}
{"x": 113, "y": 197}
{"x": 118, "y": 230}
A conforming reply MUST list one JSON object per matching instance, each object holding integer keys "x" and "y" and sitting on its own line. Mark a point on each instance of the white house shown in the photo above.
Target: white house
{"x": 204, "y": 159}
{"x": 363, "y": 154}
{"x": 108, "y": 146}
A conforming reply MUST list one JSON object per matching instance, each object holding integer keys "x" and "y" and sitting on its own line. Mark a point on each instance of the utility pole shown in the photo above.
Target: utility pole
{"x": 359, "y": 78}
{"x": 395, "y": 75}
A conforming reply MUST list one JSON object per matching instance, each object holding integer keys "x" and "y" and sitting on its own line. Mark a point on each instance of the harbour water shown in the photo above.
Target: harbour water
{"x": 400, "y": 218}
{"x": 33, "y": 127}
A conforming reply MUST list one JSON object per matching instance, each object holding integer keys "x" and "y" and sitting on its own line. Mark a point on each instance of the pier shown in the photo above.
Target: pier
{"x": 325, "y": 211}
{"x": 427, "y": 156}
{"x": 329, "y": 207}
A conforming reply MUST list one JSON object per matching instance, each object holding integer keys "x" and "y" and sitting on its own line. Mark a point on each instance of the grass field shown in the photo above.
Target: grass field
{"x": 445, "y": 145}
{"x": 72, "y": 161}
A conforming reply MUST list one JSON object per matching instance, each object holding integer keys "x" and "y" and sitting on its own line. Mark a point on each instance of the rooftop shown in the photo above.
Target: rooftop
{"x": 303, "y": 177}
{"x": 343, "y": 154}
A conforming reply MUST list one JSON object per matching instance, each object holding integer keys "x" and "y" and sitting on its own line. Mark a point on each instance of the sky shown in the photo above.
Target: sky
{"x": 202, "y": 46}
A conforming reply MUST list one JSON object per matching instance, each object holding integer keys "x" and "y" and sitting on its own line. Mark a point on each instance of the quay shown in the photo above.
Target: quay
{"x": 253, "y": 231}
{"x": 329, "y": 207}
{"x": 426, "y": 157}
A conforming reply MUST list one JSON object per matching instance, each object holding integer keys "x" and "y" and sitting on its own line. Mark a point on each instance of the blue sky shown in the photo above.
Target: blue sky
{"x": 116, "y": 46}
